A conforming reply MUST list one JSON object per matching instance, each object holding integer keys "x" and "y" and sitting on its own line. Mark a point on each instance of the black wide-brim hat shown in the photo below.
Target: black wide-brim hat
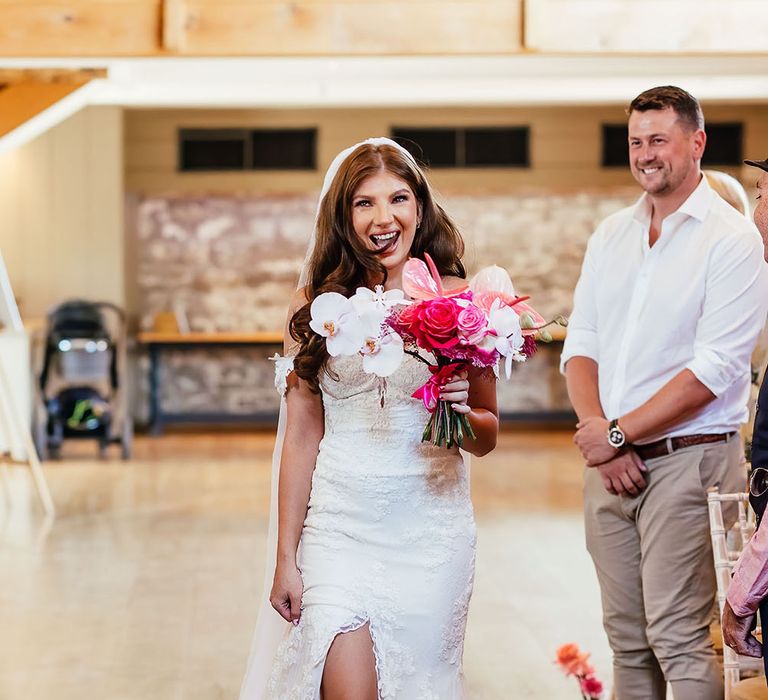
{"x": 763, "y": 164}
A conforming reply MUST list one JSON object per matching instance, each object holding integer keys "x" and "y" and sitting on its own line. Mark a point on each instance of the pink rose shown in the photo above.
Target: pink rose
{"x": 435, "y": 324}
{"x": 591, "y": 687}
{"x": 402, "y": 321}
{"x": 472, "y": 325}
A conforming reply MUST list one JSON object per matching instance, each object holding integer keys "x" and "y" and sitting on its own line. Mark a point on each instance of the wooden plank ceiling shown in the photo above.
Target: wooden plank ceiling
{"x": 114, "y": 28}
{"x": 258, "y": 27}
{"x": 26, "y": 93}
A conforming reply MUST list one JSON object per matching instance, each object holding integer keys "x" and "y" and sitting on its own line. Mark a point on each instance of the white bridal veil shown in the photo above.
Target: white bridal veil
{"x": 270, "y": 627}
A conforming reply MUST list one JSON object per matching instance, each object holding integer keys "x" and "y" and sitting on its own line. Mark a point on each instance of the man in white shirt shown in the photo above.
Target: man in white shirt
{"x": 672, "y": 295}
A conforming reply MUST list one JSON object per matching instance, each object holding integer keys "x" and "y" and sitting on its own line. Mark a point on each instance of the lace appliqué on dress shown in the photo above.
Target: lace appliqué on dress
{"x": 453, "y": 634}
{"x": 388, "y": 540}
{"x": 283, "y": 367}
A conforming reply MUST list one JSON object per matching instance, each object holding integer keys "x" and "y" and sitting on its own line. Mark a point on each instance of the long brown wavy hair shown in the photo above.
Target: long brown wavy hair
{"x": 341, "y": 262}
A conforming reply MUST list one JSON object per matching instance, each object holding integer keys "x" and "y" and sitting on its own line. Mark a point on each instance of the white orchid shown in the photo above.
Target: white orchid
{"x": 382, "y": 354}
{"x": 509, "y": 335}
{"x": 334, "y": 317}
{"x": 377, "y": 302}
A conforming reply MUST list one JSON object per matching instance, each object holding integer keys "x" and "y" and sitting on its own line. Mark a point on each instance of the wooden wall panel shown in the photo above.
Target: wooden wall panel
{"x": 61, "y": 203}
{"x": 383, "y": 27}
{"x": 258, "y": 27}
{"x": 565, "y": 146}
{"x": 79, "y": 27}
{"x": 303, "y": 27}
{"x": 646, "y": 26}
{"x": 386, "y": 27}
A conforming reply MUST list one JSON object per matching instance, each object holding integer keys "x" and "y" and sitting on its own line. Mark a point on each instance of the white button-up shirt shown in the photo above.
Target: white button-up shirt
{"x": 695, "y": 300}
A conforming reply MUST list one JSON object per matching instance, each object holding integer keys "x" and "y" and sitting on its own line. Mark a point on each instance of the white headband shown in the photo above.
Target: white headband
{"x": 333, "y": 168}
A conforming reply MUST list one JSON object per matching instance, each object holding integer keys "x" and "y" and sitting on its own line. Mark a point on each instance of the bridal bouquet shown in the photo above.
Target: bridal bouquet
{"x": 483, "y": 325}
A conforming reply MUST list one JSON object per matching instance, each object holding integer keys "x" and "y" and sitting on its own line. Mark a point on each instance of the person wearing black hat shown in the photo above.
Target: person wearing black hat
{"x": 761, "y": 211}
{"x": 749, "y": 587}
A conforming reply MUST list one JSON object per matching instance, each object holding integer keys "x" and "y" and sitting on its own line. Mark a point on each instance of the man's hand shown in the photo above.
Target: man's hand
{"x": 737, "y": 633}
{"x": 592, "y": 439}
{"x": 623, "y": 475}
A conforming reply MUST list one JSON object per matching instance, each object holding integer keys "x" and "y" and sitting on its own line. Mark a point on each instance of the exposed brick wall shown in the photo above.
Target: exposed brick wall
{"x": 232, "y": 263}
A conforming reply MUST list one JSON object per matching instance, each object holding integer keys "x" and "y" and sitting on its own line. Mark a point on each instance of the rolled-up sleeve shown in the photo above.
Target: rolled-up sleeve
{"x": 750, "y": 578}
{"x": 581, "y": 338}
{"x": 733, "y": 312}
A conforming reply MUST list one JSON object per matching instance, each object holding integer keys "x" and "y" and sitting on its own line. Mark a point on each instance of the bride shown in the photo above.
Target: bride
{"x": 374, "y": 559}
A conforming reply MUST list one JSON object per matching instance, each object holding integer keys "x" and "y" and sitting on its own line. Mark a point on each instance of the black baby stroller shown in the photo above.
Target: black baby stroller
{"x": 81, "y": 380}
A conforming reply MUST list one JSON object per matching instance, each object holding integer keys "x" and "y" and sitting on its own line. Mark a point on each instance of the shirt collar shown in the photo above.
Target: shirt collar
{"x": 698, "y": 202}
{"x": 697, "y": 205}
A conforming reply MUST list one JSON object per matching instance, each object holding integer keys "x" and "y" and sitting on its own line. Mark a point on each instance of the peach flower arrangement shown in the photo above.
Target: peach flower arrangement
{"x": 574, "y": 663}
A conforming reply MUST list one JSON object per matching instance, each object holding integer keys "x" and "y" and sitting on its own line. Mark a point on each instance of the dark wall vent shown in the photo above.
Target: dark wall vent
{"x": 213, "y": 149}
{"x": 247, "y": 149}
{"x": 725, "y": 144}
{"x": 467, "y": 147}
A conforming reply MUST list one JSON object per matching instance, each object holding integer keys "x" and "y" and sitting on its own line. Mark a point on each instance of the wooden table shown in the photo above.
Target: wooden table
{"x": 156, "y": 342}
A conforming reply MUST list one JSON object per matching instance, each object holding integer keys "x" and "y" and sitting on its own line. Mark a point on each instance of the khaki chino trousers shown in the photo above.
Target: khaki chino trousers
{"x": 653, "y": 557}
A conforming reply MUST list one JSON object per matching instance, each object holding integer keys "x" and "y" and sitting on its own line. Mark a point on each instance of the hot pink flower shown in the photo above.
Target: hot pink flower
{"x": 435, "y": 324}
{"x": 529, "y": 345}
{"x": 591, "y": 687}
{"x": 472, "y": 325}
{"x": 401, "y": 321}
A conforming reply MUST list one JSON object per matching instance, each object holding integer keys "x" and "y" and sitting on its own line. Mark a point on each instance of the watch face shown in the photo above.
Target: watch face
{"x": 616, "y": 437}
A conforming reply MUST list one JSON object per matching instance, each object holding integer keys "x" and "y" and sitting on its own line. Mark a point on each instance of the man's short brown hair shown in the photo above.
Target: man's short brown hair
{"x": 686, "y": 106}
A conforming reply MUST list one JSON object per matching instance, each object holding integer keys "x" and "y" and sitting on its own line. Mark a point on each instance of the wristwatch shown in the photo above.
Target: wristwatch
{"x": 616, "y": 436}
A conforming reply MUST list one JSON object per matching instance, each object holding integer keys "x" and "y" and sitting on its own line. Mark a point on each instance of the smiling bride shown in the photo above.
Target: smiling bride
{"x": 375, "y": 548}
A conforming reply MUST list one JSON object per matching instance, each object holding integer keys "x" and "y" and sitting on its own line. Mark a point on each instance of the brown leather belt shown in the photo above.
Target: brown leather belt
{"x": 667, "y": 446}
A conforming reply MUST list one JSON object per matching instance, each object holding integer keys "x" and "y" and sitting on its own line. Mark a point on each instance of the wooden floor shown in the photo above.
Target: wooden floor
{"x": 145, "y": 587}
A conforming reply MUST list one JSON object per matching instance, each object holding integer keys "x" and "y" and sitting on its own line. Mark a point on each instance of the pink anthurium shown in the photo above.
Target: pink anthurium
{"x": 493, "y": 279}
{"x": 493, "y": 283}
{"x": 422, "y": 281}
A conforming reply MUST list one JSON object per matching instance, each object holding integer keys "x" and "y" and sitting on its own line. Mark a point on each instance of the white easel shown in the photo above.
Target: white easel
{"x": 17, "y": 445}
